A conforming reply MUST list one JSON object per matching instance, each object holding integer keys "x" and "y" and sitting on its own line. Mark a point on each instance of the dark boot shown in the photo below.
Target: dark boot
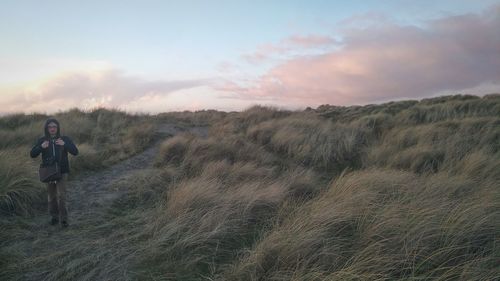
{"x": 64, "y": 224}
{"x": 54, "y": 221}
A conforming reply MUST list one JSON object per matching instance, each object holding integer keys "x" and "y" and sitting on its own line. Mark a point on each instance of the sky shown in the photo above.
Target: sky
{"x": 155, "y": 56}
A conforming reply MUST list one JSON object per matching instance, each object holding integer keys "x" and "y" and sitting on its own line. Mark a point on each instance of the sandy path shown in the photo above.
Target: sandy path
{"x": 92, "y": 190}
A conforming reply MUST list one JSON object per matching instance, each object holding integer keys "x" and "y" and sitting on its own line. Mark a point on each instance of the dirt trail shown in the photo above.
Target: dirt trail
{"x": 92, "y": 190}
{"x": 89, "y": 196}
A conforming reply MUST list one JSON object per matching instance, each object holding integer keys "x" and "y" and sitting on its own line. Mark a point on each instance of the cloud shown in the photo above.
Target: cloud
{"x": 16, "y": 69}
{"x": 310, "y": 41}
{"x": 387, "y": 61}
{"x": 264, "y": 53}
{"x": 291, "y": 46}
{"x": 109, "y": 88}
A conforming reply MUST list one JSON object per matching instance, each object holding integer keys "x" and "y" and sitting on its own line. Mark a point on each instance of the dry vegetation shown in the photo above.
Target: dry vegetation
{"x": 102, "y": 136}
{"x": 406, "y": 190}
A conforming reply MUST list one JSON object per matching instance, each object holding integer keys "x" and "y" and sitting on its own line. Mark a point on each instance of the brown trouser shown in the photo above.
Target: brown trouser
{"x": 57, "y": 199}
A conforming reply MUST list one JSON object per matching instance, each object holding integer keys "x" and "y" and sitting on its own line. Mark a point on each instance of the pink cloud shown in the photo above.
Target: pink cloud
{"x": 265, "y": 52}
{"x": 310, "y": 41}
{"x": 388, "y": 61}
{"x": 289, "y": 46}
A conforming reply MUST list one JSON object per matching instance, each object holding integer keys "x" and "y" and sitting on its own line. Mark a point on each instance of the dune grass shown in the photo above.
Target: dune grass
{"x": 103, "y": 136}
{"x": 20, "y": 191}
{"x": 406, "y": 190}
{"x": 410, "y": 201}
{"x": 383, "y": 225}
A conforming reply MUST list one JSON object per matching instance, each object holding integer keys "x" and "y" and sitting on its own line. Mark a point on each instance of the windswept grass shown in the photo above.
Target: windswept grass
{"x": 192, "y": 153}
{"x": 208, "y": 221}
{"x": 413, "y": 196}
{"x": 240, "y": 122}
{"x": 454, "y": 107}
{"x": 20, "y": 192}
{"x": 191, "y": 119}
{"x": 406, "y": 190}
{"x": 311, "y": 141}
{"x": 383, "y": 225}
{"x": 16, "y": 120}
{"x": 103, "y": 136}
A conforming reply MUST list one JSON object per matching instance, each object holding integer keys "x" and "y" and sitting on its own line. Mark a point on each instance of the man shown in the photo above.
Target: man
{"x": 54, "y": 144}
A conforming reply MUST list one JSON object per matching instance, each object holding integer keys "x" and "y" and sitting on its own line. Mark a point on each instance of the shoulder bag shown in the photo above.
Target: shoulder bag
{"x": 51, "y": 170}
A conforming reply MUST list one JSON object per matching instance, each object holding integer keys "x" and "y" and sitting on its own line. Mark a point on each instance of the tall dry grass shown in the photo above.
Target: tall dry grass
{"x": 438, "y": 146}
{"x": 191, "y": 119}
{"x": 413, "y": 196}
{"x": 191, "y": 153}
{"x": 238, "y": 123}
{"x": 454, "y": 107}
{"x": 405, "y": 190}
{"x": 383, "y": 225}
{"x": 103, "y": 136}
{"x": 311, "y": 141}
{"x": 207, "y": 221}
{"x": 20, "y": 191}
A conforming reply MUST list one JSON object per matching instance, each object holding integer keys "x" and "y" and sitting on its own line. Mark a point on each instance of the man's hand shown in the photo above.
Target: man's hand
{"x": 45, "y": 144}
{"x": 59, "y": 141}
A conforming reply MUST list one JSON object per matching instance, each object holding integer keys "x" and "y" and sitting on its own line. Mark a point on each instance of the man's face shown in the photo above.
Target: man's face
{"x": 52, "y": 128}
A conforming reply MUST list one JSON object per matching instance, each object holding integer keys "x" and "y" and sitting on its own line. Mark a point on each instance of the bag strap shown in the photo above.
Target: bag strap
{"x": 60, "y": 153}
{"x": 59, "y": 158}
{"x": 54, "y": 150}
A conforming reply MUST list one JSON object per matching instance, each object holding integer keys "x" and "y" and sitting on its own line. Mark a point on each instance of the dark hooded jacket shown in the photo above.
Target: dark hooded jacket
{"x": 61, "y": 152}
